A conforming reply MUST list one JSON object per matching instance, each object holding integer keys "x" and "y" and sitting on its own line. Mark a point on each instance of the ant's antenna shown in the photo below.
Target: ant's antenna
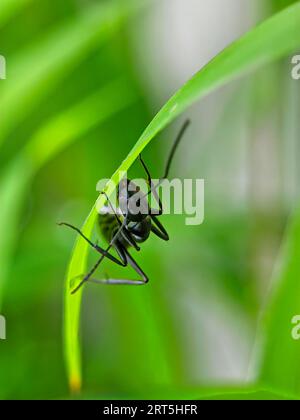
{"x": 174, "y": 148}
{"x": 170, "y": 158}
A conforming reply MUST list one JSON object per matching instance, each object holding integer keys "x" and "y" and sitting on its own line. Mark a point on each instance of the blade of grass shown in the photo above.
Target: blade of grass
{"x": 73, "y": 304}
{"x": 35, "y": 72}
{"x": 280, "y": 367}
{"x": 272, "y": 39}
{"x": 51, "y": 139}
{"x": 278, "y": 352}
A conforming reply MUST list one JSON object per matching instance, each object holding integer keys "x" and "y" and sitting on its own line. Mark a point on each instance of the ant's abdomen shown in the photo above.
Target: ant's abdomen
{"x": 108, "y": 225}
{"x": 141, "y": 230}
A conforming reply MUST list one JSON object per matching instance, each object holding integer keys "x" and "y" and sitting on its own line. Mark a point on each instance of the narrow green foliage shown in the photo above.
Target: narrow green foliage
{"x": 271, "y": 40}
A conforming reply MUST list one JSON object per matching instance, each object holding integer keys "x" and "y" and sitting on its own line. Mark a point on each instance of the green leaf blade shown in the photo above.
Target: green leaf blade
{"x": 280, "y": 359}
{"x": 271, "y": 40}
{"x": 73, "y": 304}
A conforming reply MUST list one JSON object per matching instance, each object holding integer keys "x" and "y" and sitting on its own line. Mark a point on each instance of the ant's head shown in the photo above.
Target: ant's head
{"x": 132, "y": 201}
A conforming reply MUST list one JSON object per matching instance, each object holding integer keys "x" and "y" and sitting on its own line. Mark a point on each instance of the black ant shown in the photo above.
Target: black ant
{"x": 124, "y": 228}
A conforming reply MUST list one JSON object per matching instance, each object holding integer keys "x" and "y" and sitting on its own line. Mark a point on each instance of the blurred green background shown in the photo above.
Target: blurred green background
{"x": 84, "y": 78}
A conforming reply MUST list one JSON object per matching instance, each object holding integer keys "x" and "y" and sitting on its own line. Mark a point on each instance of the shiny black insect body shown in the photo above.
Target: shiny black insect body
{"x": 124, "y": 227}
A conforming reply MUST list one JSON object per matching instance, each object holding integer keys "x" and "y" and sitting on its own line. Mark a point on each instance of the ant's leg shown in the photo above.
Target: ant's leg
{"x": 122, "y": 230}
{"x": 91, "y": 272}
{"x": 123, "y": 251}
{"x": 158, "y": 233}
{"x": 174, "y": 148}
{"x": 127, "y": 259}
{"x": 137, "y": 268}
{"x": 95, "y": 246}
{"x": 113, "y": 209}
{"x": 152, "y": 189}
{"x": 159, "y": 230}
{"x": 129, "y": 239}
{"x": 167, "y": 169}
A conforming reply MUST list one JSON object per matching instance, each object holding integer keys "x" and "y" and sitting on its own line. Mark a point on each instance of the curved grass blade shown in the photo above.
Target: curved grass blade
{"x": 271, "y": 40}
{"x": 274, "y": 38}
{"x": 280, "y": 367}
{"x": 54, "y": 57}
{"x": 77, "y": 266}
